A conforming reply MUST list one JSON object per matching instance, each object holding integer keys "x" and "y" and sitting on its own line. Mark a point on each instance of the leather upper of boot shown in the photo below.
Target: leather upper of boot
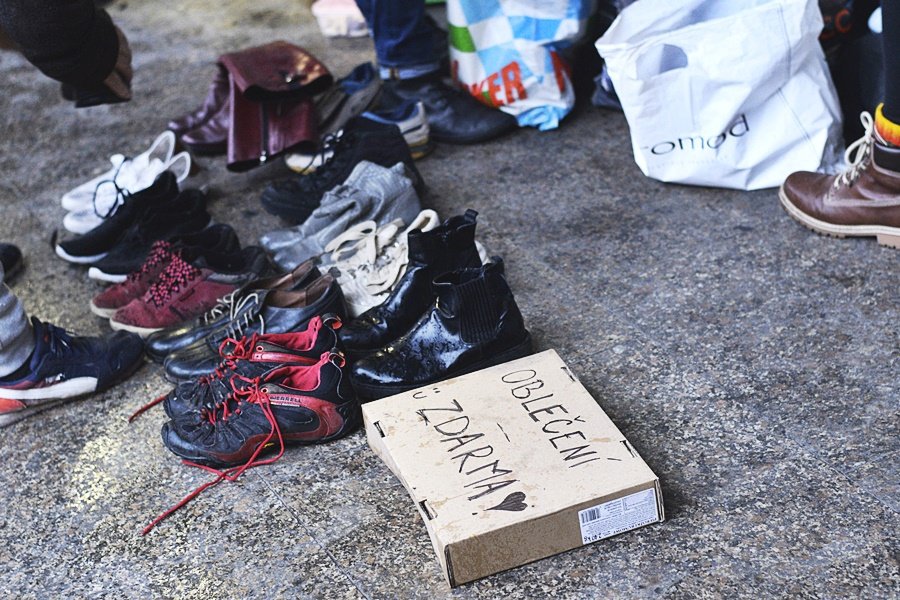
{"x": 212, "y": 104}
{"x": 449, "y": 247}
{"x": 474, "y": 319}
{"x": 866, "y": 193}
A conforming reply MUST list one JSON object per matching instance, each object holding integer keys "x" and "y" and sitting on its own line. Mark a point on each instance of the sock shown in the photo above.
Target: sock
{"x": 888, "y": 130}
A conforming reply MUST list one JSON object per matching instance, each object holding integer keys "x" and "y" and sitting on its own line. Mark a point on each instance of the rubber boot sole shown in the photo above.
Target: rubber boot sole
{"x": 886, "y": 236}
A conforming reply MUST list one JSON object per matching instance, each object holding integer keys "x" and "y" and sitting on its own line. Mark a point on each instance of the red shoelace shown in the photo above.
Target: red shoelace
{"x": 231, "y": 351}
{"x": 254, "y": 393}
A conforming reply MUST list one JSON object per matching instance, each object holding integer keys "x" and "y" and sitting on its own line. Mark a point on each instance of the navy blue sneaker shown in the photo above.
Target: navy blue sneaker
{"x": 11, "y": 259}
{"x": 64, "y": 366}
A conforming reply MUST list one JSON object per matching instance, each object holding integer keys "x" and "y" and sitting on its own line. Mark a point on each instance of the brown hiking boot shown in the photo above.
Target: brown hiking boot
{"x": 863, "y": 201}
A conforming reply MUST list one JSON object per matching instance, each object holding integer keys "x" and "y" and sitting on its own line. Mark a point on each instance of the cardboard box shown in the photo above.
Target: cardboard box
{"x": 511, "y": 464}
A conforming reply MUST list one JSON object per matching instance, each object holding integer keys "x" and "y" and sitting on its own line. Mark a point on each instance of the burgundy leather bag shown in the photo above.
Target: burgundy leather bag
{"x": 271, "y": 90}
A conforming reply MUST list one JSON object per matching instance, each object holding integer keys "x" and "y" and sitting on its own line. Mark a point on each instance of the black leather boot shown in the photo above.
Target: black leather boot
{"x": 474, "y": 324}
{"x": 449, "y": 247}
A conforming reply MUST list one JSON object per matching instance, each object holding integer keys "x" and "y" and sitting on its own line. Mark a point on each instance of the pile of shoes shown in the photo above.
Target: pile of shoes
{"x": 425, "y": 302}
{"x": 167, "y": 264}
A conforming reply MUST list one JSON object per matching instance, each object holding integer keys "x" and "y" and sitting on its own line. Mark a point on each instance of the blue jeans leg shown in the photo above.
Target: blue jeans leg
{"x": 404, "y": 38}
{"x": 16, "y": 338}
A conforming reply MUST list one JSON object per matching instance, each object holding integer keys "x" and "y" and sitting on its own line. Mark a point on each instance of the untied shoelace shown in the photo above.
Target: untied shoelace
{"x": 255, "y": 392}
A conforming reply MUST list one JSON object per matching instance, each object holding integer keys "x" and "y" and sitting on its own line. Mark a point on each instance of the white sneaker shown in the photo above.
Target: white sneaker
{"x": 367, "y": 262}
{"x": 124, "y": 173}
{"x": 109, "y": 197}
{"x": 409, "y": 117}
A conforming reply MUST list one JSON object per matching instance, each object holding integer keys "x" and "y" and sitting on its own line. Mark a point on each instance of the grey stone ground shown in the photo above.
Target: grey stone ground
{"x": 752, "y": 363}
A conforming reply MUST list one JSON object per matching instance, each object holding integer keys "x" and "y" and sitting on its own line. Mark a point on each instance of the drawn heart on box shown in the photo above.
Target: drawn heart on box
{"x": 515, "y": 501}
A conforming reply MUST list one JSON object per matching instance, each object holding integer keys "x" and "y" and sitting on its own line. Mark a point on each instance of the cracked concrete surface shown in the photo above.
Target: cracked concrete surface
{"x": 752, "y": 363}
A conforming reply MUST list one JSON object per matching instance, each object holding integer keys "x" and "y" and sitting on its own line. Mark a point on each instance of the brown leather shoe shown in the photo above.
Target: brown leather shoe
{"x": 863, "y": 201}
{"x": 212, "y": 104}
{"x": 212, "y": 136}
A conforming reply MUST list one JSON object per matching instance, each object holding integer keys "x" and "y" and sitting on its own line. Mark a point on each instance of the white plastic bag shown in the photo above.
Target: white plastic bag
{"x": 505, "y": 53}
{"x": 724, "y": 93}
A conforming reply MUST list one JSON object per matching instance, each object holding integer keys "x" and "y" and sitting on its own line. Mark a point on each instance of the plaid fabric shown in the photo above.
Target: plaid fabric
{"x": 505, "y": 52}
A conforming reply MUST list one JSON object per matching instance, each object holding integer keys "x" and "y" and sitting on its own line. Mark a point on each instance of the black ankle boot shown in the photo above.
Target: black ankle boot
{"x": 474, "y": 324}
{"x": 454, "y": 116}
{"x": 449, "y": 247}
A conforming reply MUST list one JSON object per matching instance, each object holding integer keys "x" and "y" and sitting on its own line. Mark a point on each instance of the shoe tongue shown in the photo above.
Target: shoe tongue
{"x": 41, "y": 333}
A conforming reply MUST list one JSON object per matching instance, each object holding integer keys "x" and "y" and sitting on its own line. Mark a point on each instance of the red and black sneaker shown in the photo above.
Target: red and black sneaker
{"x": 289, "y": 405}
{"x": 250, "y": 357}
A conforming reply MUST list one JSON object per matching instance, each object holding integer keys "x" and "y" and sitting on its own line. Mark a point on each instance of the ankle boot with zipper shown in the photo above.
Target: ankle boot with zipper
{"x": 449, "y": 247}
{"x": 474, "y": 324}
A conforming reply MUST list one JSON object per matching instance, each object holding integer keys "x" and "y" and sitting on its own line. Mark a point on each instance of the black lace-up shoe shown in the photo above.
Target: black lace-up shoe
{"x": 290, "y": 405}
{"x": 274, "y": 311}
{"x": 454, "y": 116}
{"x": 448, "y": 247}
{"x": 94, "y": 245}
{"x": 474, "y": 324}
{"x": 12, "y": 261}
{"x": 295, "y": 198}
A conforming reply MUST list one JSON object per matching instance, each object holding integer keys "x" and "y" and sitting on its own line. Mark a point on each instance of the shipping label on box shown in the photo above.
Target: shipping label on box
{"x": 511, "y": 464}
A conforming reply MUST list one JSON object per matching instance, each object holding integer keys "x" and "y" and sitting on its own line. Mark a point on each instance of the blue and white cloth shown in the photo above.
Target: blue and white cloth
{"x": 506, "y": 52}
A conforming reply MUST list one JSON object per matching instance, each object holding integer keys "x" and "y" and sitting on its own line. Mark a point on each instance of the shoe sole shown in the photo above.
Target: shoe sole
{"x": 141, "y": 331}
{"x": 376, "y": 392}
{"x": 886, "y": 236}
{"x": 78, "y": 260}
{"x": 105, "y": 313}
{"x": 348, "y": 428}
{"x": 64, "y": 389}
{"x": 8, "y": 418}
{"x": 99, "y": 275}
{"x": 472, "y": 139}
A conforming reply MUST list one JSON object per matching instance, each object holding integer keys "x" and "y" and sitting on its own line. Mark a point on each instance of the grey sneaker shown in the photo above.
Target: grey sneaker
{"x": 370, "y": 193}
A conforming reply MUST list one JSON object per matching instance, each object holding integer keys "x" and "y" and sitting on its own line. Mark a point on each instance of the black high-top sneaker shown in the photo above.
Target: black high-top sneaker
{"x": 251, "y": 356}
{"x": 290, "y": 405}
{"x": 296, "y": 197}
{"x": 449, "y": 247}
{"x": 474, "y": 324}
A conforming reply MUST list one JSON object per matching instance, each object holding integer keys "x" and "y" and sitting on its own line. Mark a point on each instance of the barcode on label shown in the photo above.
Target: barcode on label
{"x": 591, "y": 514}
{"x": 616, "y": 516}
